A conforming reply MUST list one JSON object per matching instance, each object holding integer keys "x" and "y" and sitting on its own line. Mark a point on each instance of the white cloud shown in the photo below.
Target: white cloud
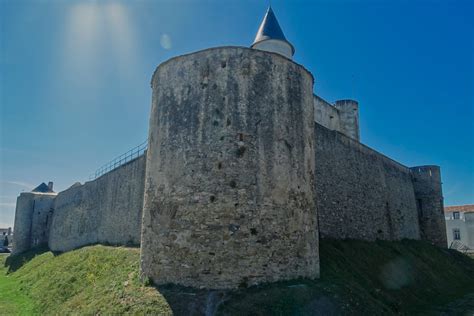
{"x": 20, "y": 184}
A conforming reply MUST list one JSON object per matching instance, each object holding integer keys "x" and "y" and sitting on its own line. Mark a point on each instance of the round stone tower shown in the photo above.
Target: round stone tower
{"x": 229, "y": 193}
{"x": 23, "y": 222}
{"x": 429, "y": 200}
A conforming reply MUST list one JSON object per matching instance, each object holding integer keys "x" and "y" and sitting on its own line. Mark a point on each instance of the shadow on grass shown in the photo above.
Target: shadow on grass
{"x": 15, "y": 262}
{"x": 296, "y": 297}
{"x": 190, "y": 301}
{"x": 357, "y": 277}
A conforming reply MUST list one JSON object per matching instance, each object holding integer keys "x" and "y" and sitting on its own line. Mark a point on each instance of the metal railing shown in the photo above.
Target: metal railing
{"x": 130, "y": 155}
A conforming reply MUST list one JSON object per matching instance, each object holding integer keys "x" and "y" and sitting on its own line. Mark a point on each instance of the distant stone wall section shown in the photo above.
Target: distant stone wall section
{"x": 430, "y": 204}
{"x": 326, "y": 114}
{"x": 32, "y": 220}
{"x": 349, "y": 117}
{"x": 360, "y": 193}
{"x": 343, "y": 116}
{"x": 107, "y": 210}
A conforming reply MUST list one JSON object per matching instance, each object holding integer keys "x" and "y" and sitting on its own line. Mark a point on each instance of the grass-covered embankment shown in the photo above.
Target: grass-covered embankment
{"x": 13, "y": 301}
{"x": 90, "y": 280}
{"x": 356, "y": 277}
{"x": 407, "y": 277}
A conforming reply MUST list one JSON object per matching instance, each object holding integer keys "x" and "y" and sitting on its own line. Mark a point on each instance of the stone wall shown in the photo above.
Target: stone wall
{"x": 107, "y": 210}
{"x": 361, "y": 194}
{"x": 32, "y": 220}
{"x": 42, "y": 217}
{"x": 343, "y": 116}
{"x": 326, "y": 114}
{"x": 429, "y": 198}
{"x": 23, "y": 220}
{"x": 236, "y": 179}
{"x": 349, "y": 118}
{"x": 229, "y": 196}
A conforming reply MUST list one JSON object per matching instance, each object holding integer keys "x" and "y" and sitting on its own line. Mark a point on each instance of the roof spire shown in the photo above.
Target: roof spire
{"x": 270, "y": 37}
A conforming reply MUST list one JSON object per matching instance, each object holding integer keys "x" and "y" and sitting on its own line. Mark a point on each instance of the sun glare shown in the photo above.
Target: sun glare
{"x": 83, "y": 26}
{"x": 97, "y": 27}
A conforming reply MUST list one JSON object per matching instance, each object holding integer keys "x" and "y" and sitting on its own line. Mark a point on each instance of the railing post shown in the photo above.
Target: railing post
{"x": 135, "y": 152}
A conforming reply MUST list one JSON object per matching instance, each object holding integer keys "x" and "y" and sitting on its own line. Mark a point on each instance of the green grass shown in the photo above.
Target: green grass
{"x": 408, "y": 277}
{"x": 12, "y": 300}
{"x": 91, "y": 280}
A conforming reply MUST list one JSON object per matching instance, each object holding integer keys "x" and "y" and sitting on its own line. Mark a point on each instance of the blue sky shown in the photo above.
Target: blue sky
{"x": 75, "y": 77}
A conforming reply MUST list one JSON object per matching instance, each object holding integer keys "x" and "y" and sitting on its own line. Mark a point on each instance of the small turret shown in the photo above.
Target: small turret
{"x": 25, "y": 204}
{"x": 33, "y": 216}
{"x": 349, "y": 117}
{"x": 429, "y": 200}
{"x": 270, "y": 37}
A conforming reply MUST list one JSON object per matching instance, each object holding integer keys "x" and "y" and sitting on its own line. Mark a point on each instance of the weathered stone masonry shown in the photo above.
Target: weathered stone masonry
{"x": 362, "y": 194}
{"x": 430, "y": 206}
{"x": 107, "y": 210}
{"x": 229, "y": 195}
{"x": 32, "y": 220}
{"x": 238, "y": 175}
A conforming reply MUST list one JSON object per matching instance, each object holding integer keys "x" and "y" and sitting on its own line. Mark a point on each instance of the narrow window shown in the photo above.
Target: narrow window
{"x": 456, "y": 234}
{"x": 419, "y": 206}
{"x": 389, "y": 220}
{"x": 456, "y": 215}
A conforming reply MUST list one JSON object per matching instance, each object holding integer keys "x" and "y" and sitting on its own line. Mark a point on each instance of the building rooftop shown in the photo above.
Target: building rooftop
{"x": 44, "y": 188}
{"x": 459, "y": 208}
{"x": 270, "y": 29}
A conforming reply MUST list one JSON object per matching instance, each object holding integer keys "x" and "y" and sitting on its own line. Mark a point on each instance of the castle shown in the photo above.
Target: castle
{"x": 246, "y": 168}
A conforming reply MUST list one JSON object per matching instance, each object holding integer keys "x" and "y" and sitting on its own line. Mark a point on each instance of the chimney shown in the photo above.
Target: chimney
{"x": 50, "y": 185}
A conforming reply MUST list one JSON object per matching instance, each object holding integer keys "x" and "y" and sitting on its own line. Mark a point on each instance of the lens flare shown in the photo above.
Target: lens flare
{"x": 165, "y": 41}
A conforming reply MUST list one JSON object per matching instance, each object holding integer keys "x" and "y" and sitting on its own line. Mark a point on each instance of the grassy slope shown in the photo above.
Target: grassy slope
{"x": 90, "y": 280}
{"x": 373, "y": 278}
{"x": 12, "y": 300}
{"x": 357, "y": 277}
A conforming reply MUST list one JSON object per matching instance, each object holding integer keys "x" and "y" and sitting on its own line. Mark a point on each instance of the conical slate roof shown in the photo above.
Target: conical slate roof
{"x": 42, "y": 188}
{"x": 270, "y": 29}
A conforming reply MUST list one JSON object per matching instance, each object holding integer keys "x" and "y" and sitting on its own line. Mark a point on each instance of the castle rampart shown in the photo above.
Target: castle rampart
{"x": 236, "y": 178}
{"x": 361, "y": 194}
{"x": 107, "y": 210}
{"x": 343, "y": 116}
{"x": 229, "y": 194}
